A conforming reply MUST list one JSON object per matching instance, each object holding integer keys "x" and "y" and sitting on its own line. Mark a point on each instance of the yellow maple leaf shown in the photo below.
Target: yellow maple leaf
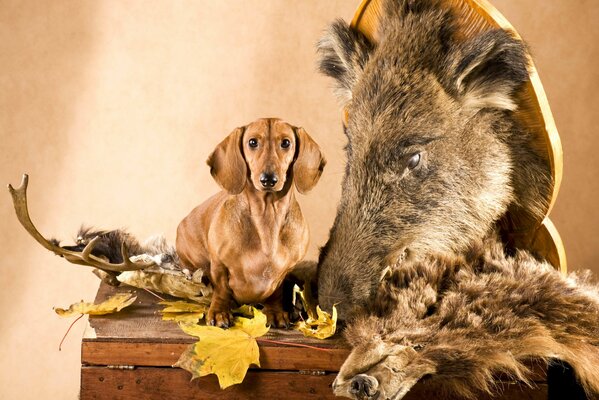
{"x": 307, "y": 301}
{"x": 183, "y": 311}
{"x": 111, "y": 305}
{"x": 187, "y": 318}
{"x": 244, "y": 310}
{"x": 322, "y": 327}
{"x": 228, "y": 353}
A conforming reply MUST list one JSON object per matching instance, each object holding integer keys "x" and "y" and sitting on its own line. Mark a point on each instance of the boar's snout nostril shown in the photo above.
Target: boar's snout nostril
{"x": 363, "y": 386}
{"x": 356, "y": 386}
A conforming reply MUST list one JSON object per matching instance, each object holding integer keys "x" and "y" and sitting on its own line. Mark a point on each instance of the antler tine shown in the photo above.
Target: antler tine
{"x": 89, "y": 247}
{"x": 131, "y": 265}
{"x": 19, "y": 198}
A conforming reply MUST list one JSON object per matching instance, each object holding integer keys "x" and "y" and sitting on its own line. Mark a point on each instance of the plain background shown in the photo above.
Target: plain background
{"x": 112, "y": 108}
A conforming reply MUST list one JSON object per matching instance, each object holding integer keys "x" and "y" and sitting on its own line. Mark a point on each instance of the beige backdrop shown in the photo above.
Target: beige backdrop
{"x": 112, "y": 108}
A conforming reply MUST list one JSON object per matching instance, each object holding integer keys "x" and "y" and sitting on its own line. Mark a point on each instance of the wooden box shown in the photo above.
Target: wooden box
{"x": 129, "y": 355}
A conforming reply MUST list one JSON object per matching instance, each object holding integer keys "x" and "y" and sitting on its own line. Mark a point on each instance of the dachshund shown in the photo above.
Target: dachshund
{"x": 249, "y": 236}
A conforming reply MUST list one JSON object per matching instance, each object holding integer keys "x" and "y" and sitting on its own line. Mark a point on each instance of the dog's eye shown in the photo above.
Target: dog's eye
{"x": 285, "y": 143}
{"x": 253, "y": 143}
{"x": 414, "y": 161}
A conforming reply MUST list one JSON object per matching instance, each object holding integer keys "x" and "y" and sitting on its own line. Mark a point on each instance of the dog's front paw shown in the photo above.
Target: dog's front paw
{"x": 277, "y": 318}
{"x": 220, "y": 318}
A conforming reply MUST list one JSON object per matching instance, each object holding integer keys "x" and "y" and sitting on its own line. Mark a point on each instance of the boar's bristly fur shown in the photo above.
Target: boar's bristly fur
{"x": 435, "y": 156}
{"x": 437, "y": 165}
{"x": 461, "y": 320}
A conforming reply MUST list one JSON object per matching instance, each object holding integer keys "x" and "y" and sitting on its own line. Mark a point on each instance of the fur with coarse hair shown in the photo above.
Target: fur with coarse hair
{"x": 421, "y": 92}
{"x": 109, "y": 243}
{"x": 436, "y": 162}
{"x": 461, "y": 320}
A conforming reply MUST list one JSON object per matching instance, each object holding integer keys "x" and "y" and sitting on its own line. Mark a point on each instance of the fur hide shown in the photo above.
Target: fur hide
{"x": 459, "y": 321}
{"x": 109, "y": 245}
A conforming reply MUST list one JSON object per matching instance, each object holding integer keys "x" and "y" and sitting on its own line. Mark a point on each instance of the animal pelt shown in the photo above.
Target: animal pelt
{"x": 459, "y": 321}
{"x": 110, "y": 242}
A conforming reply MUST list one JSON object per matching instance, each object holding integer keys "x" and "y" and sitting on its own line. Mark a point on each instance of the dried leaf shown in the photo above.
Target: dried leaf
{"x": 307, "y": 301}
{"x": 180, "y": 306}
{"x": 183, "y": 311}
{"x": 111, "y": 305}
{"x": 187, "y": 318}
{"x": 244, "y": 310}
{"x": 174, "y": 283}
{"x": 322, "y": 327}
{"x": 228, "y": 353}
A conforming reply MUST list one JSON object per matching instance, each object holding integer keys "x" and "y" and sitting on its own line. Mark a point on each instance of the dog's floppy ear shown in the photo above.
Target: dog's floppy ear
{"x": 309, "y": 162}
{"x": 227, "y": 164}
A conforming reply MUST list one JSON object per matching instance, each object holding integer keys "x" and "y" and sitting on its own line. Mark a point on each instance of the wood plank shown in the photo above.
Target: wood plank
{"x": 166, "y": 383}
{"x": 167, "y": 354}
{"x": 99, "y": 383}
{"x": 271, "y": 358}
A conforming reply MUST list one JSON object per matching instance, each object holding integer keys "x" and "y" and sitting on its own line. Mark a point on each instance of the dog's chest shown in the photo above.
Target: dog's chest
{"x": 259, "y": 256}
{"x": 260, "y": 270}
{"x": 257, "y": 277}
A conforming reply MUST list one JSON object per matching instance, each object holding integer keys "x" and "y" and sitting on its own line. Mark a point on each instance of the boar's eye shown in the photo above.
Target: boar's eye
{"x": 413, "y": 161}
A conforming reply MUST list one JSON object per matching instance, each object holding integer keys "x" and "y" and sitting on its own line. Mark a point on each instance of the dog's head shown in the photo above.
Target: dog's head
{"x": 267, "y": 152}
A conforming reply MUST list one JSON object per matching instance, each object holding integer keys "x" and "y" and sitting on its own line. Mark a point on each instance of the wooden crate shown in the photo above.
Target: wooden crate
{"x": 129, "y": 355}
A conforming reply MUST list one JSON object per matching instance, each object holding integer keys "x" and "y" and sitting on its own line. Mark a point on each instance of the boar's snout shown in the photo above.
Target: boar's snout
{"x": 348, "y": 274}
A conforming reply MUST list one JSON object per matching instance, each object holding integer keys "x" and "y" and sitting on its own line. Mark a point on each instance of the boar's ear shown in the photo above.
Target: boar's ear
{"x": 309, "y": 162}
{"x": 227, "y": 164}
{"x": 487, "y": 70}
{"x": 343, "y": 53}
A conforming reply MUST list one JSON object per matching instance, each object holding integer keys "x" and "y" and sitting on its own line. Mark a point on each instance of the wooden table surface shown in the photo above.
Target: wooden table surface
{"x": 138, "y": 336}
{"x": 129, "y": 355}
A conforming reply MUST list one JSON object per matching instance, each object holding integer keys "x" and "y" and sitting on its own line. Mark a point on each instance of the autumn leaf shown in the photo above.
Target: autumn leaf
{"x": 183, "y": 311}
{"x": 181, "y": 306}
{"x": 322, "y": 327}
{"x": 320, "y": 324}
{"x": 173, "y": 283}
{"x": 187, "y": 318}
{"x": 111, "y": 305}
{"x": 228, "y": 353}
{"x": 244, "y": 310}
{"x": 306, "y": 301}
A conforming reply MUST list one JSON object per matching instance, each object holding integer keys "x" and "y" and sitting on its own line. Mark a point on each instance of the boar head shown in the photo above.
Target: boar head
{"x": 435, "y": 156}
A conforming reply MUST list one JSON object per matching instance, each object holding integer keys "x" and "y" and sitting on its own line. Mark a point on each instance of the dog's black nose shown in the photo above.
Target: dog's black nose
{"x": 268, "y": 180}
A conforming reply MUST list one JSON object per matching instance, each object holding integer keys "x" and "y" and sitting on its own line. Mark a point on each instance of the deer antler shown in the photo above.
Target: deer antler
{"x": 85, "y": 257}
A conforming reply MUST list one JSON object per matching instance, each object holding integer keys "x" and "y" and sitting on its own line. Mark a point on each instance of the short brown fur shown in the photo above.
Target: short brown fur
{"x": 249, "y": 236}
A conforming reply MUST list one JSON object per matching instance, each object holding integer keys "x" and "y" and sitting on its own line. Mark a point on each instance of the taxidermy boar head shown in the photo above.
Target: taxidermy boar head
{"x": 435, "y": 156}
